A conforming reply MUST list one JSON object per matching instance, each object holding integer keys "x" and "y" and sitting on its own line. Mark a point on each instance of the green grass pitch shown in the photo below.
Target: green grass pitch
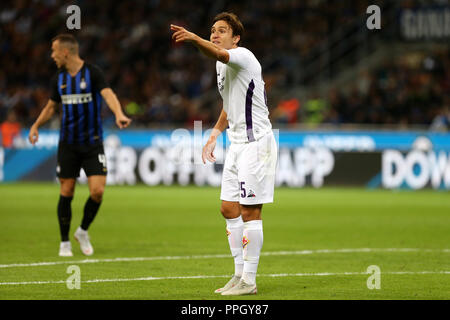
{"x": 173, "y": 245}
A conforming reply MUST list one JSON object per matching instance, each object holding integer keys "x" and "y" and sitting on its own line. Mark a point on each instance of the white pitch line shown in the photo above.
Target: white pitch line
{"x": 219, "y": 256}
{"x": 320, "y": 274}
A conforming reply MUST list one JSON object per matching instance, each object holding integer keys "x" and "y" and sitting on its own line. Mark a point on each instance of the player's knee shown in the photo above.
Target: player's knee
{"x": 97, "y": 193}
{"x": 229, "y": 212}
{"x": 224, "y": 211}
{"x": 249, "y": 216}
{"x": 67, "y": 192}
{"x": 251, "y": 212}
{"x": 97, "y": 197}
{"x": 67, "y": 189}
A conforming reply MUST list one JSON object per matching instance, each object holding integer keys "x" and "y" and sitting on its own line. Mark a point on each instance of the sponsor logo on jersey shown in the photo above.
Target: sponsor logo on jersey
{"x": 76, "y": 98}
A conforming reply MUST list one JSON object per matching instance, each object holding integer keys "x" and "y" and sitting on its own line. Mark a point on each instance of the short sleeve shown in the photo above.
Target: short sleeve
{"x": 98, "y": 79}
{"x": 54, "y": 93}
{"x": 239, "y": 58}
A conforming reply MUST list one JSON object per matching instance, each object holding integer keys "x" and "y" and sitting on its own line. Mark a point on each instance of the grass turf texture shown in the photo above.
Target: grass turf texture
{"x": 142, "y": 221}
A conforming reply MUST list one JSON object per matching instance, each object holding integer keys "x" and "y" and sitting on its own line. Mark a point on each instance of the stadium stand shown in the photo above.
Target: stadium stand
{"x": 305, "y": 47}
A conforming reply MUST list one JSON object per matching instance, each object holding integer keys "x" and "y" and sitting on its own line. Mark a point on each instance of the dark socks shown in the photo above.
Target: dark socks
{"x": 90, "y": 211}
{"x": 64, "y": 216}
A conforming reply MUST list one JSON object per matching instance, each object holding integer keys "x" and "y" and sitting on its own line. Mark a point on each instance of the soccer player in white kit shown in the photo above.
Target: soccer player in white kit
{"x": 249, "y": 171}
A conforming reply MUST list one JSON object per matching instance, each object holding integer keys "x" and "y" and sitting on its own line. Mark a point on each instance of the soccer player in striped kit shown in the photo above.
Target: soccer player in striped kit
{"x": 249, "y": 172}
{"x": 80, "y": 86}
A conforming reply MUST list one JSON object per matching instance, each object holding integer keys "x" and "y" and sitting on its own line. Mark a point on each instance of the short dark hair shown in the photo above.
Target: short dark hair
{"x": 68, "y": 40}
{"x": 233, "y": 21}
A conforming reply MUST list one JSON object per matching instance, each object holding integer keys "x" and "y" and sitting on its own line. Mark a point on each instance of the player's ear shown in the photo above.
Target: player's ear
{"x": 236, "y": 39}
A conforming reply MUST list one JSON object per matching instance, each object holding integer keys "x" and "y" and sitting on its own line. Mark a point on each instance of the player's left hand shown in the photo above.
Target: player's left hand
{"x": 122, "y": 121}
{"x": 181, "y": 34}
{"x": 208, "y": 151}
{"x": 33, "y": 136}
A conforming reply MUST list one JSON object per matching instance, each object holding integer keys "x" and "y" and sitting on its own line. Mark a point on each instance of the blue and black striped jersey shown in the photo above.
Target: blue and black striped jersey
{"x": 81, "y": 122}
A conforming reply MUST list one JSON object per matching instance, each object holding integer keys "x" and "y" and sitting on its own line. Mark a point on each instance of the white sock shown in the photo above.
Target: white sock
{"x": 235, "y": 228}
{"x": 252, "y": 242}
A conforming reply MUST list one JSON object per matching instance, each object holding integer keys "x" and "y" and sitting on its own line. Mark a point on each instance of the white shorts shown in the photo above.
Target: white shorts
{"x": 249, "y": 171}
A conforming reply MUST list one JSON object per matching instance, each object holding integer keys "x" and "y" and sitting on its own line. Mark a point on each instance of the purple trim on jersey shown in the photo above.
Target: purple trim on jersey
{"x": 248, "y": 111}
{"x": 265, "y": 96}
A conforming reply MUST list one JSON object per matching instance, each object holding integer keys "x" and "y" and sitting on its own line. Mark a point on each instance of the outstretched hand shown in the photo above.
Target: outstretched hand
{"x": 181, "y": 34}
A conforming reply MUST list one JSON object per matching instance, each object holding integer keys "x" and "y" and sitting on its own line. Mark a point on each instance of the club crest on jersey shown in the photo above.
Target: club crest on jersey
{"x": 228, "y": 232}
{"x": 251, "y": 194}
{"x": 83, "y": 84}
{"x": 245, "y": 242}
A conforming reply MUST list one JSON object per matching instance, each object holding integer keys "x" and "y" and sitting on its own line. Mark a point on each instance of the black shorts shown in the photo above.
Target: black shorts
{"x": 71, "y": 158}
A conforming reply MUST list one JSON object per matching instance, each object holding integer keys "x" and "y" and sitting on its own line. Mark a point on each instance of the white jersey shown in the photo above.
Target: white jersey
{"x": 241, "y": 86}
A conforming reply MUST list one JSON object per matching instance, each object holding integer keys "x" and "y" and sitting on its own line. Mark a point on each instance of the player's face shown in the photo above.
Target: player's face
{"x": 222, "y": 35}
{"x": 59, "y": 54}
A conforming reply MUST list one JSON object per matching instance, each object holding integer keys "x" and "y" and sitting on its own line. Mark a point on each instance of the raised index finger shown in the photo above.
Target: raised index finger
{"x": 175, "y": 27}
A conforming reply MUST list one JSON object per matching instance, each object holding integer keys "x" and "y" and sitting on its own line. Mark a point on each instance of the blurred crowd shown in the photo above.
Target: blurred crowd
{"x": 162, "y": 84}
{"x": 412, "y": 89}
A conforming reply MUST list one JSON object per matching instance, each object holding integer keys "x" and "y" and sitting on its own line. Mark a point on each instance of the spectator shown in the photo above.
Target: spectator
{"x": 441, "y": 122}
{"x": 287, "y": 111}
{"x": 10, "y": 129}
{"x": 315, "y": 109}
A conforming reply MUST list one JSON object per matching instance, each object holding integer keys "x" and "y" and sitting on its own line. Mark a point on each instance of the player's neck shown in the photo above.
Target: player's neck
{"x": 74, "y": 65}
{"x": 234, "y": 46}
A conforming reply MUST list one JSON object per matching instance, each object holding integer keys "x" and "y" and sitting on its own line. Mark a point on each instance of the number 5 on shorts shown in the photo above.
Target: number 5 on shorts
{"x": 243, "y": 193}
